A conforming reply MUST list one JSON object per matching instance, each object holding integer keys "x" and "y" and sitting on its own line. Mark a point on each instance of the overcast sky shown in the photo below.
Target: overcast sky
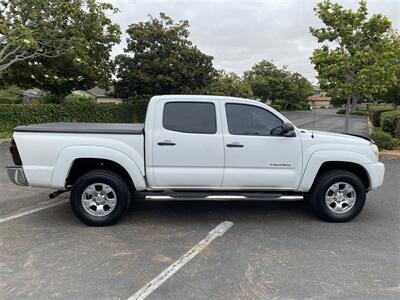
{"x": 240, "y": 33}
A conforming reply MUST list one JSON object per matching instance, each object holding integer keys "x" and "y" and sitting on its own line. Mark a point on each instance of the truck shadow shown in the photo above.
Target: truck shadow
{"x": 187, "y": 211}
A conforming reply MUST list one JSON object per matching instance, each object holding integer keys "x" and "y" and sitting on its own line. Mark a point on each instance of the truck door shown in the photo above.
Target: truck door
{"x": 256, "y": 156}
{"x": 188, "y": 150}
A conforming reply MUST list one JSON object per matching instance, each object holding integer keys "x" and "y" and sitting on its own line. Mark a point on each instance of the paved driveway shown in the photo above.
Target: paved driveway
{"x": 273, "y": 250}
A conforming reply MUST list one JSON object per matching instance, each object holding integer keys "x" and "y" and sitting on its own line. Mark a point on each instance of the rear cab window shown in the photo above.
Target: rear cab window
{"x": 190, "y": 117}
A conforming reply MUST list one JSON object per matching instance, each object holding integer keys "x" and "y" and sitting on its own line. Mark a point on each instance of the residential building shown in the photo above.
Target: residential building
{"x": 319, "y": 99}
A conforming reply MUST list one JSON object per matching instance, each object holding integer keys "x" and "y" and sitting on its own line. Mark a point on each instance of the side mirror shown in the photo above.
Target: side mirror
{"x": 288, "y": 129}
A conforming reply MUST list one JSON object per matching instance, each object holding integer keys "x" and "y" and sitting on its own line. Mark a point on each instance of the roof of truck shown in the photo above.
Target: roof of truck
{"x": 200, "y": 97}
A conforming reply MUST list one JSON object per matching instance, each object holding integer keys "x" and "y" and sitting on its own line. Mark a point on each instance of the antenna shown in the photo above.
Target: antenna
{"x": 313, "y": 122}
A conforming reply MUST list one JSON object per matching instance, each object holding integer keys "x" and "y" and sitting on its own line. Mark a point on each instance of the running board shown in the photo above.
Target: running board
{"x": 246, "y": 197}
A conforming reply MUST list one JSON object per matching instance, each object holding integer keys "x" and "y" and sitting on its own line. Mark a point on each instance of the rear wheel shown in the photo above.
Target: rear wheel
{"x": 100, "y": 197}
{"x": 338, "y": 196}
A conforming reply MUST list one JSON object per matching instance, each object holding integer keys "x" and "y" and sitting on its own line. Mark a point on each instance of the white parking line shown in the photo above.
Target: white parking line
{"x": 172, "y": 269}
{"x": 31, "y": 211}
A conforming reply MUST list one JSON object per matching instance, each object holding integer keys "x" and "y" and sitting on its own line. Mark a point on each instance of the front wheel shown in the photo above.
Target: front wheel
{"x": 338, "y": 196}
{"x": 100, "y": 197}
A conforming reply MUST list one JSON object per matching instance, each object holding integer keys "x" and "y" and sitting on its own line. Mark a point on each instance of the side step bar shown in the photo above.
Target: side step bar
{"x": 245, "y": 197}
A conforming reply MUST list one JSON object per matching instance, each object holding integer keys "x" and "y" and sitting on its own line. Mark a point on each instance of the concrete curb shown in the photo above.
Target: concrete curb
{"x": 387, "y": 154}
{"x": 5, "y": 141}
{"x": 370, "y": 126}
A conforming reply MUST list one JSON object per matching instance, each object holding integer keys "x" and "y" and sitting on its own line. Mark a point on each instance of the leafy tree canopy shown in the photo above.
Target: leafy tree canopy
{"x": 268, "y": 82}
{"x": 358, "y": 57}
{"x": 228, "y": 84}
{"x": 69, "y": 45}
{"x": 160, "y": 59}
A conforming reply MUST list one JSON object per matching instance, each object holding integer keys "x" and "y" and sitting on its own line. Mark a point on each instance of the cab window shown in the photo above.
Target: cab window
{"x": 246, "y": 119}
{"x": 190, "y": 117}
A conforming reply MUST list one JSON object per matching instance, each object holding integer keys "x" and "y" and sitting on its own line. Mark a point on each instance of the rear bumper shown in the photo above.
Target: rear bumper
{"x": 16, "y": 175}
{"x": 376, "y": 173}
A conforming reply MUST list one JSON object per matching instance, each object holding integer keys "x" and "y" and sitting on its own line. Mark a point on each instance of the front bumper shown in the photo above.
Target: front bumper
{"x": 376, "y": 173}
{"x": 16, "y": 175}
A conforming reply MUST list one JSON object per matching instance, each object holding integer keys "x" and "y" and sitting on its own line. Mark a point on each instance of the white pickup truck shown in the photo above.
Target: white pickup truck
{"x": 196, "y": 148}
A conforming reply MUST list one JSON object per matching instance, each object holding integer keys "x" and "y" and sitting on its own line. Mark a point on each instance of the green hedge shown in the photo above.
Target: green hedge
{"x": 375, "y": 114}
{"x": 383, "y": 139}
{"x": 276, "y": 106}
{"x": 12, "y": 115}
{"x": 8, "y": 101}
{"x": 341, "y": 111}
{"x": 389, "y": 122}
{"x": 359, "y": 113}
{"x": 10, "y": 94}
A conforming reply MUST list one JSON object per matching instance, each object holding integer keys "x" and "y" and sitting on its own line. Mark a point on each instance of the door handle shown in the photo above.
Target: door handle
{"x": 235, "y": 145}
{"x": 166, "y": 143}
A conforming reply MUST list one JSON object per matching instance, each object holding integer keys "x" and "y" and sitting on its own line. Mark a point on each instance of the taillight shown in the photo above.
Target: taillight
{"x": 14, "y": 153}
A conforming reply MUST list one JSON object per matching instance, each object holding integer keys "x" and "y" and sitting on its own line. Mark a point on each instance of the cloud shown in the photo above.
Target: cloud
{"x": 238, "y": 34}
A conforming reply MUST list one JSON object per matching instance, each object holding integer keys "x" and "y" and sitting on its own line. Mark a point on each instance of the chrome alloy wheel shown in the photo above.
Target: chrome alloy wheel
{"x": 340, "y": 197}
{"x": 99, "y": 199}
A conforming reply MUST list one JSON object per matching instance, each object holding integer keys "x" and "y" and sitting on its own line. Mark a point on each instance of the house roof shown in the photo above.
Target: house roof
{"x": 31, "y": 92}
{"x": 99, "y": 92}
{"x": 319, "y": 98}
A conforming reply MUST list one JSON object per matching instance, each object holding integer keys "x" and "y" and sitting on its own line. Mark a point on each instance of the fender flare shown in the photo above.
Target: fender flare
{"x": 322, "y": 156}
{"x": 68, "y": 155}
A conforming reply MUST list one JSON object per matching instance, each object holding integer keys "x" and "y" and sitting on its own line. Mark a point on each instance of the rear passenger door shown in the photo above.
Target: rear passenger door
{"x": 188, "y": 150}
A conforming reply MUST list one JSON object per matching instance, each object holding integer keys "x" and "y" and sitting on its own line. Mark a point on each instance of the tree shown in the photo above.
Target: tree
{"x": 160, "y": 59}
{"x": 358, "y": 57}
{"x": 269, "y": 83}
{"x": 393, "y": 93}
{"x": 228, "y": 84}
{"x": 297, "y": 89}
{"x": 85, "y": 63}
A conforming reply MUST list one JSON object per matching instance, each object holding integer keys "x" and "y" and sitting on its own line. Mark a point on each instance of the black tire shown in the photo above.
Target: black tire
{"x": 107, "y": 177}
{"x": 321, "y": 187}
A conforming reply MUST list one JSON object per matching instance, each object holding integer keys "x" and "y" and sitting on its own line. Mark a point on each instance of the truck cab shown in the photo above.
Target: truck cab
{"x": 197, "y": 147}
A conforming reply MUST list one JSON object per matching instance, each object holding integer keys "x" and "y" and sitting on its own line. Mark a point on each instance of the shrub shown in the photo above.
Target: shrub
{"x": 276, "y": 107}
{"x": 299, "y": 106}
{"x": 372, "y": 106}
{"x": 12, "y": 115}
{"x": 397, "y": 132}
{"x": 10, "y": 95}
{"x": 45, "y": 98}
{"x": 341, "y": 111}
{"x": 383, "y": 139}
{"x": 79, "y": 99}
{"x": 375, "y": 114}
{"x": 389, "y": 121}
{"x": 359, "y": 113}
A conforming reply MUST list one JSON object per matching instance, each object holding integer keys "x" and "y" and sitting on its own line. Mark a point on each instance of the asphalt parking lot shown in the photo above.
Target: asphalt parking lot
{"x": 272, "y": 251}
{"x": 328, "y": 120}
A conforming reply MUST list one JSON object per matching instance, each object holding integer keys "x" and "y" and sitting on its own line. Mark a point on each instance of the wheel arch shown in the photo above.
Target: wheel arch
{"x": 76, "y": 160}
{"x": 351, "y": 167}
{"x": 81, "y": 166}
{"x": 321, "y": 161}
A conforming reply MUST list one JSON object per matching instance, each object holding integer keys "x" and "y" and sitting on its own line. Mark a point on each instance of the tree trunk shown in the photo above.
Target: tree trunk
{"x": 61, "y": 98}
{"x": 346, "y": 124}
{"x": 285, "y": 106}
{"x": 354, "y": 100}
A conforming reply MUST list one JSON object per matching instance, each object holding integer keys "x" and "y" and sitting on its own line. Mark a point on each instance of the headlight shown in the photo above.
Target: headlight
{"x": 374, "y": 149}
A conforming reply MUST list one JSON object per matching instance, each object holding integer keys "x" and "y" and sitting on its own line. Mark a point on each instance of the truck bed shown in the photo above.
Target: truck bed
{"x": 99, "y": 128}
